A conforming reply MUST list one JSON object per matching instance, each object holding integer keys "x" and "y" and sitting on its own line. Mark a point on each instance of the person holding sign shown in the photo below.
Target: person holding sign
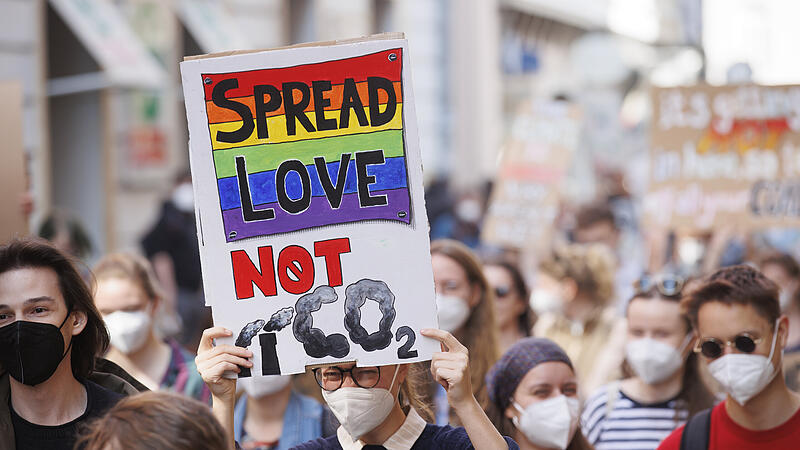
{"x": 366, "y": 400}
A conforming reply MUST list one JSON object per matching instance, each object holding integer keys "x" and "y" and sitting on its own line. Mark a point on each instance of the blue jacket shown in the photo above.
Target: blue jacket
{"x": 302, "y": 420}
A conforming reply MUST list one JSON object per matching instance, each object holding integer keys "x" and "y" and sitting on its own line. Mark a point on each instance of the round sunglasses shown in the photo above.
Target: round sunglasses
{"x": 713, "y": 348}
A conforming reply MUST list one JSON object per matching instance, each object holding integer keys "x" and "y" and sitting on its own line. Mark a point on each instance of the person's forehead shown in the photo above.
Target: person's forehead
{"x": 20, "y": 285}
{"x": 496, "y": 274}
{"x": 446, "y": 267}
{"x": 723, "y": 320}
{"x": 551, "y": 372}
{"x": 654, "y": 308}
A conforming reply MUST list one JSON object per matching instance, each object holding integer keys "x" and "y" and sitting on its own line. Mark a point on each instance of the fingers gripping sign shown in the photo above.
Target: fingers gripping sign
{"x": 450, "y": 367}
{"x": 214, "y": 360}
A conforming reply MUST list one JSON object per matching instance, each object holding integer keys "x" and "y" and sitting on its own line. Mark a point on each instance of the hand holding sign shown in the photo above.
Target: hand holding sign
{"x": 450, "y": 368}
{"x": 213, "y": 361}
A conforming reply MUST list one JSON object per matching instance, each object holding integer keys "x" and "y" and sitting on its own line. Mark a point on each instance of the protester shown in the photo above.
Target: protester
{"x": 376, "y": 406}
{"x": 171, "y": 245}
{"x": 464, "y": 304}
{"x": 665, "y": 388}
{"x": 784, "y": 271}
{"x": 574, "y": 289}
{"x": 128, "y": 296}
{"x": 271, "y": 415}
{"x": 156, "y": 420}
{"x": 534, "y": 391}
{"x": 596, "y": 223}
{"x": 50, "y": 334}
{"x": 741, "y": 334}
{"x": 512, "y": 312}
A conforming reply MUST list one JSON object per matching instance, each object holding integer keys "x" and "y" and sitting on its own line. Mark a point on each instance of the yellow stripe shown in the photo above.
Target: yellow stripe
{"x": 277, "y": 129}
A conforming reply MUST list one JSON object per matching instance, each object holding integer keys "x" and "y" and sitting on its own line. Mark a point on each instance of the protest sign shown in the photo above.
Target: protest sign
{"x": 311, "y": 217}
{"x": 525, "y": 200}
{"x": 722, "y": 155}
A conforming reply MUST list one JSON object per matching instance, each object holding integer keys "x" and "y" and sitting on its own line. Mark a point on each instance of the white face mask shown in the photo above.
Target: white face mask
{"x": 654, "y": 361}
{"x": 549, "y": 423}
{"x": 744, "y": 375}
{"x": 256, "y": 387}
{"x": 360, "y": 410}
{"x": 128, "y": 329}
{"x": 183, "y": 197}
{"x": 544, "y": 301}
{"x": 452, "y": 311}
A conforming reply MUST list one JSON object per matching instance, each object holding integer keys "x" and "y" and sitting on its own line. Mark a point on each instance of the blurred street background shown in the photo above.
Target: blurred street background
{"x": 104, "y": 142}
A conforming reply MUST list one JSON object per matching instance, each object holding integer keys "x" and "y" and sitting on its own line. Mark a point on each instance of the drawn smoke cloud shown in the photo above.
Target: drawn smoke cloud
{"x": 248, "y": 332}
{"x": 280, "y": 319}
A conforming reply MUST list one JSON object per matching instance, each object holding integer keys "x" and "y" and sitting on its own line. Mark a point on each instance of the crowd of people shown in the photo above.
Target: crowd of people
{"x": 569, "y": 352}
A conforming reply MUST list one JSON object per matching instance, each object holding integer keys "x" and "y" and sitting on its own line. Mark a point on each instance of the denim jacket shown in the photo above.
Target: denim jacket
{"x": 302, "y": 420}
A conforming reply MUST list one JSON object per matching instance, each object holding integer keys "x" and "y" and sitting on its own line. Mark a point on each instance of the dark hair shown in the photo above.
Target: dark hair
{"x": 159, "y": 420}
{"x": 735, "y": 285}
{"x": 593, "y": 214}
{"x": 61, "y": 222}
{"x": 694, "y": 395}
{"x": 784, "y": 260}
{"x": 525, "y": 320}
{"x": 38, "y": 253}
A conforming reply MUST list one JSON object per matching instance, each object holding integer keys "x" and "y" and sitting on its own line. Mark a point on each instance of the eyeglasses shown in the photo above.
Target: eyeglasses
{"x": 668, "y": 285}
{"x": 501, "y": 291}
{"x": 332, "y": 378}
{"x": 712, "y": 348}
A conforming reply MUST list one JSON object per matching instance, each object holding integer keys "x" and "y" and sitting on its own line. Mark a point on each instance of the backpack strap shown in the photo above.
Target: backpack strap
{"x": 697, "y": 431}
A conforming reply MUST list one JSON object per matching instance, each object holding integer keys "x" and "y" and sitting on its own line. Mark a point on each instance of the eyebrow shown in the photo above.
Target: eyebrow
{"x": 34, "y": 300}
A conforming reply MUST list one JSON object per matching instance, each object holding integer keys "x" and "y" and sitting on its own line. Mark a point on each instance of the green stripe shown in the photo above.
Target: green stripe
{"x": 260, "y": 158}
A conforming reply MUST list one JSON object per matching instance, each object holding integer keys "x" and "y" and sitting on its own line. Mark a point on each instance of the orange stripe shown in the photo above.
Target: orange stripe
{"x": 219, "y": 115}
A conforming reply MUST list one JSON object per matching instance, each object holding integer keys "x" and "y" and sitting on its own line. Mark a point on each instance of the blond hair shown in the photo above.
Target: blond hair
{"x": 590, "y": 266}
{"x": 478, "y": 332}
{"x": 134, "y": 268}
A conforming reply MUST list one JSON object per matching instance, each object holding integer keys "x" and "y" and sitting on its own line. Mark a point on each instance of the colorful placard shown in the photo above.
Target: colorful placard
{"x": 311, "y": 216}
{"x": 723, "y": 155}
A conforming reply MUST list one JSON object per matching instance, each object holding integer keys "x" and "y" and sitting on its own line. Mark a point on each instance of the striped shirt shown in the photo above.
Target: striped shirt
{"x": 627, "y": 424}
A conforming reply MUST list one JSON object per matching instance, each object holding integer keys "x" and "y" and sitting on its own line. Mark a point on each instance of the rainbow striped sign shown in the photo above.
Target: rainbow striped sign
{"x": 310, "y": 145}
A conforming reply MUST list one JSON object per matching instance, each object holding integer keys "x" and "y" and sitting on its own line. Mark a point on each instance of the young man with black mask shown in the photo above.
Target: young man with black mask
{"x": 50, "y": 334}
{"x": 741, "y": 334}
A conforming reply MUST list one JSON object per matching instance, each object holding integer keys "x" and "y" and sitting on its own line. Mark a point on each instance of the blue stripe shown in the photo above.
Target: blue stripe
{"x": 390, "y": 175}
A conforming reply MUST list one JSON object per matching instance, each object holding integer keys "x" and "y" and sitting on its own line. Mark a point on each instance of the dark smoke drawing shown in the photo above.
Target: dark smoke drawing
{"x": 280, "y": 319}
{"x": 315, "y": 343}
{"x": 355, "y": 296}
{"x": 249, "y": 331}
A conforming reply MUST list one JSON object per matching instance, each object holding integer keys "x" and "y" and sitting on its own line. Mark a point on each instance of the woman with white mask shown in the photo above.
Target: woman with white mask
{"x": 464, "y": 302}
{"x": 534, "y": 393}
{"x": 273, "y": 416}
{"x": 378, "y": 407}
{"x": 664, "y": 387}
{"x": 128, "y": 295}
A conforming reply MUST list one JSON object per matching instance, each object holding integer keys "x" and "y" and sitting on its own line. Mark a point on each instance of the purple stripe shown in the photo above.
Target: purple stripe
{"x": 319, "y": 213}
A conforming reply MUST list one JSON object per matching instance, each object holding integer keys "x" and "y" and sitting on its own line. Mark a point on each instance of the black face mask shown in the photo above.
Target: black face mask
{"x": 31, "y": 351}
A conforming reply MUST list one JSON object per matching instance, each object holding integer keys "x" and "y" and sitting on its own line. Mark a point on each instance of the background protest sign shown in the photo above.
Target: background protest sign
{"x": 525, "y": 201}
{"x": 722, "y": 155}
{"x": 311, "y": 217}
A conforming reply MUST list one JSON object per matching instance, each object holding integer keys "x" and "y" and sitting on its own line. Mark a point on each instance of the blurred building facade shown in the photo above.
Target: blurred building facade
{"x": 105, "y": 129}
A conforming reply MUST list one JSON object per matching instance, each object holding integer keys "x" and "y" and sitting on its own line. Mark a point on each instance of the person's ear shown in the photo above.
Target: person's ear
{"x": 77, "y": 322}
{"x": 783, "y": 330}
{"x": 510, "y": 411}
{"x": 569, "y": 289}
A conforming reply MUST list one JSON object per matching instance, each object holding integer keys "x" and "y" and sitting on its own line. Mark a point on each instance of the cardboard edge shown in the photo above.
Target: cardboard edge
{"x": 374, "y": 37}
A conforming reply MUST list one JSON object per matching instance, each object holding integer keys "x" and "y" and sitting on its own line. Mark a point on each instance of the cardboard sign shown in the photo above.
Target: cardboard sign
{"x": 525, "y": 200}
{"x": 309, "y": 198}
{"x": 724, "y": 155}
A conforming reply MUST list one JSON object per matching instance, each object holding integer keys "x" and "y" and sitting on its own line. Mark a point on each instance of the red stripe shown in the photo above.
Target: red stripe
{"x": 358, "y": 68}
